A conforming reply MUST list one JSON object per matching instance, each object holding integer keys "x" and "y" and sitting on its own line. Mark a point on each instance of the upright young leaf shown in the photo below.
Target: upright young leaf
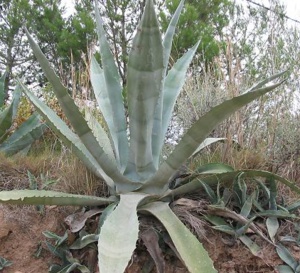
{"x": 145, "y": 76}
{"x": 111, "y": 88}
{"x": 172, "y": 86}
{"x": 157, "y": 134}
{"x": 168, "y": 39}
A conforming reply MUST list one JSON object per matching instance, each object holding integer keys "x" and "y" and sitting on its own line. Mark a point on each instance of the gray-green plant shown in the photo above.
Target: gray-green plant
{"x": 33, "y": 185}
{"x": 60, "y": 249}
{"x": 132, "y": 165}
{"x": 292, "y": 265}
{"x": 30, "y": 130}
{"x": 4, "y": 263}
{"x": 239, "y": 215}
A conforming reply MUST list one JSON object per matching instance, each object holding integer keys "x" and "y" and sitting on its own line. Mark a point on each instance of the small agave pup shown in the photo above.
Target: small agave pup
{"x": 133, "y": 169}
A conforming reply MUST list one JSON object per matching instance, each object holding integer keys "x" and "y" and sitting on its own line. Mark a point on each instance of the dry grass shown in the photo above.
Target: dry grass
{"x": 70, "y": 174}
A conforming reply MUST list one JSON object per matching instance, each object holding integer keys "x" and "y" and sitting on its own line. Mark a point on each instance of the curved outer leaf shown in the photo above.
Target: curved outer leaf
{"x": 208, "y": 141}
{"x": 196, "y": 134}
{"x": 43, "y": 197}
{"x": 75, "y": 117}
{"x": 190, "y": 249}
{"x": 209, "y": 168}
{"x": 111, "y": 89}
{"x": 84, "y": 241}
{"x": 144, "y": 84}
{"x": 73, "y": 141}
{"x": 227, "y": 178}
{"x": 172, "y": 86}
{"x": 68, "y": 137}
{"x": 118, "y": 235}
{"x": 5, "y": 121}
{"x": 7, "y": 116}
{"x": 29, "y": 131}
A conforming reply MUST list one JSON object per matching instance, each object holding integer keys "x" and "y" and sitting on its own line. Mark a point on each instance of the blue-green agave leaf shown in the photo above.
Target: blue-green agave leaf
{"x": 80, "y": 243}
{"x": 44, "y": 197}
{"x": 196, "y": 135}
{"x": 226, "y": 179}
{"x": 78, "y": 147}
{"x": 247, "y": 206}
{"x": 285, "y": 269}
{"x": 272, "y": 226}
{"x": 99, "y": 133}
{"x": 5, "y": 122}
{"x": 226, "y": 229}
{"x": 111, "y": 90}
{"x": 277, "y": 213}
{"x": 9, "y": 113}
{"x": 215, "y": 220}
{"x": 68, "y": 137}
{"x": 210, "y": 168}
{"x": 168, "y": 38}
{"x": 59, "y": 240}
{"x": 172, "y": 86}
{"x": 157, "y": 134}
{"x": 144, "y": 85}
{"x": 105, "y": 213}
{"x": 4, "y": 263}
{"x": 75, "y": 116}
{"x": 286, "y": 256}
{"x": 293, "y": 206}
{"x": 240, "y": 189}
{"x": 28, "y": 132}
{"x": 265, "y": 81}
{"x": 210, "y": 193}
{"x": 213, "y": 168}
{"x": 208, "y": 141}
{"x": 118, "y": 235}
{"x": 191, "y": 251}
{"x": 252, "y": 246}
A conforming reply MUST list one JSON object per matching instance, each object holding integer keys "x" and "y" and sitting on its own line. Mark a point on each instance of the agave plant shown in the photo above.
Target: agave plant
{"x": 132, "y": 166}
{"x": 23, "y": 137}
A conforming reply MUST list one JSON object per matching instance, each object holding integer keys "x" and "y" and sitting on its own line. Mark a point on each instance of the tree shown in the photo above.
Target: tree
{"x": 41, "y": 17}
{"x": 14, "y": 50}
{"x": 79, "y": 33}
{"x": 120, "y": 20}
{"x": 201, "y": 20}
